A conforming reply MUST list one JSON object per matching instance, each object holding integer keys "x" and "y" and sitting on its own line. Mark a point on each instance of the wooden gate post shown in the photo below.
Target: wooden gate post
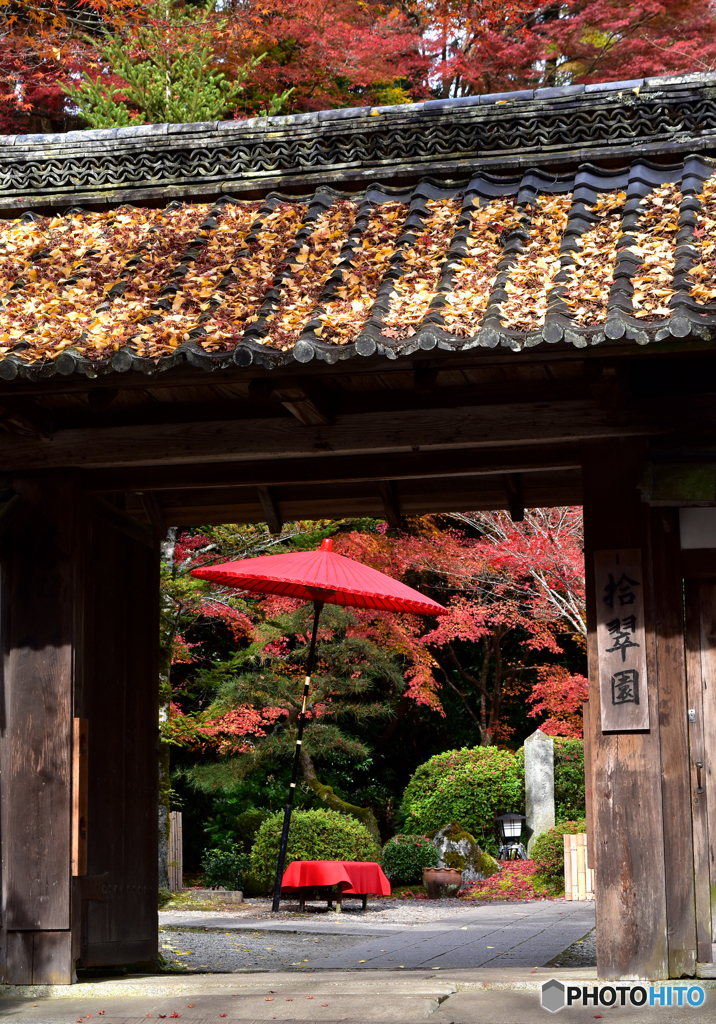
{"x": 41, "y": 635}
{"x": 639, "y": 775}
{"x": 78, "y": 735}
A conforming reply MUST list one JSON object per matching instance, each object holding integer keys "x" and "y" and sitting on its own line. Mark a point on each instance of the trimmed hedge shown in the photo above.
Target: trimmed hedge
{"x": 404, "y": 858}
{"x": 569, "y": 797}
{"x": 548, "y": 851}
{"x": 314, "y": 835}
{"x": 472, "y": 786}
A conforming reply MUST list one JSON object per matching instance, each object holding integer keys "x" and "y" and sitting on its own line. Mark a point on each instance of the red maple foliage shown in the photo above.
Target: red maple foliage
{"x": 559, "y": 694}
{"x": 511, "y": 589}
{"x": 512, "y": 579}
{"x": 358, "y": 52}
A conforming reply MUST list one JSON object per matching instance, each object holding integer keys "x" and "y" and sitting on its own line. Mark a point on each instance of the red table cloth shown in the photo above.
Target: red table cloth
{"x": 351, "y": 876}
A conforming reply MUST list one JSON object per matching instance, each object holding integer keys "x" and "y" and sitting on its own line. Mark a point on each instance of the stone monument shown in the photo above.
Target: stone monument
{"x": 539, "y": 785}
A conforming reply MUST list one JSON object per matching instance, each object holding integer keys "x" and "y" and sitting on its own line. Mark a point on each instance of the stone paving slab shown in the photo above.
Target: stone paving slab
{"x": 476, "y": 996}
{"x": 532, "y": 938}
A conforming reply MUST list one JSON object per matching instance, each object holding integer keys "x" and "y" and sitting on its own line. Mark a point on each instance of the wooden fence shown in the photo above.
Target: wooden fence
{"x": 176, "y": 871}
{"x": 578, "y": 878}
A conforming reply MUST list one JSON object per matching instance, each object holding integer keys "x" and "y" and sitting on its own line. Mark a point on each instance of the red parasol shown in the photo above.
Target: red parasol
{"x": 324, "y": 577}
{"x": 321, "y": 575}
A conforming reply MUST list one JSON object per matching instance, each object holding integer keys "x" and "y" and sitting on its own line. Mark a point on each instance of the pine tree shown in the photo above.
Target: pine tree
{"x": 163, "y": 69}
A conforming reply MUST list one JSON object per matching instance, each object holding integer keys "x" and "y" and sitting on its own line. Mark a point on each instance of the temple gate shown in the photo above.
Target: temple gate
{"x": 494, "y": 302}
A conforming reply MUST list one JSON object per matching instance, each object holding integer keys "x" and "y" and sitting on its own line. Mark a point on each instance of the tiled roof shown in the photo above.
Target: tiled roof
{"x": 513, "y": 261}
{"x": 498, "y": 133}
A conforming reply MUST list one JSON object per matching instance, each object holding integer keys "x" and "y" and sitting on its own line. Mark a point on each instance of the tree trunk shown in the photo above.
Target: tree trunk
{"x": 364, "y": 815}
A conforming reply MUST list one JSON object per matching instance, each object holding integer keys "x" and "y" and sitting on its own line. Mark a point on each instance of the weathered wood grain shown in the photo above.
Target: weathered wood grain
{"x": 80, "y": 738}
{"x": 589, "y": 806}
{"x": 697, "y": 755}
{"x": 120, "y": 699}
{"x": 707, "y": 600}
{"x": 673, "y": 730}
{"x": 466, "y": 427}
{"x": 52, "y": 958}
{"x": 336, "y": 469}
{"x": 632, "y": 939}
{"x": 39, "y": 615}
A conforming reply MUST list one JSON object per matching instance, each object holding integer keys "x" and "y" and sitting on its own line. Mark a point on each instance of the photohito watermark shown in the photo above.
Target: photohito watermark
{"x": 556, "y": 995}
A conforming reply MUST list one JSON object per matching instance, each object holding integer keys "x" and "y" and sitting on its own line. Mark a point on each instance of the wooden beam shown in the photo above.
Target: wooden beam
{"x": 515, "y": 500}
{"x": 435, "y": 429}
{"x": 215, "y": 509}
{"x": 391, "y": 503}
{"x": 272, "y": 517}
{"x": 337, "y": 469}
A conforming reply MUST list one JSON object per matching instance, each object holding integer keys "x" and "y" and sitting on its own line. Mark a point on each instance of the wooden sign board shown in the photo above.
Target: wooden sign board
{"x": 621, "y": 640}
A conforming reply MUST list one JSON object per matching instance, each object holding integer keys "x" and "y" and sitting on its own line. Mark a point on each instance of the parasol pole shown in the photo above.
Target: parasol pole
{"x": 318, "y": 605}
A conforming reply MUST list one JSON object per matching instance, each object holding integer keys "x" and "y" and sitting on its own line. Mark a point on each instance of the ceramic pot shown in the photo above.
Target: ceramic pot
{"x": 441, "y": 882}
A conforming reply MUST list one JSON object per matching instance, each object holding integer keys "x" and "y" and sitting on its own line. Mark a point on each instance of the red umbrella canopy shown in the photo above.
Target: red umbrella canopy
{"x": 321, "y": 575}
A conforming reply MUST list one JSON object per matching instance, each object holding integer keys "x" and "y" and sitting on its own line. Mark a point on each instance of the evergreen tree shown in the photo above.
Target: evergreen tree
{"x": 163, "y": 69}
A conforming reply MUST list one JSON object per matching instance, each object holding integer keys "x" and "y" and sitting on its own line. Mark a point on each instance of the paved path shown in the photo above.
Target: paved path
{"x": 510, "y": 934}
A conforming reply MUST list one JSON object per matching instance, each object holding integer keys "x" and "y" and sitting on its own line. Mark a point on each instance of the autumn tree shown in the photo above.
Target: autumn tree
{"x": 513, "y": 591}
{"x": 251, "y": 721}
{"x": 603, "y": 40}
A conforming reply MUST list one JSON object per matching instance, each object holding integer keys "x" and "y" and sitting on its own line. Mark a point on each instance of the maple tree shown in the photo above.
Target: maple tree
{"x": 505, "y": 584}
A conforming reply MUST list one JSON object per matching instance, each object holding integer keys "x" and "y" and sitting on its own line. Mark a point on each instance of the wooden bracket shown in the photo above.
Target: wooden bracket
{"x": 79, "y": 796}
{"x": 515, "y": 501}
{"x": 100, "y": 399}
{"x": 304, "y": 400}
{"x": 270, "y": 510}
{"x": 391, "y": 503}
{"x": 608, "y": 382}
{"x": 25, "y": 418}
{"x": 120, "y": 520}
{"x": 150, "y": 504}
{"x": 424, "y": 380}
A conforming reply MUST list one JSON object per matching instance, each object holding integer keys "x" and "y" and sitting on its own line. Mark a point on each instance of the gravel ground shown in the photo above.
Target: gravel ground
{"x": 222, "y": 952}
{"x": 390, "y": 911}
{"x": 580, "y": 954}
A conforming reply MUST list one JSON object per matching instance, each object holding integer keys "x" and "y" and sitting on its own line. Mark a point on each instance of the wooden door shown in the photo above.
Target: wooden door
{"x": 700, "y": 597}
{"x": 117, "y": 901}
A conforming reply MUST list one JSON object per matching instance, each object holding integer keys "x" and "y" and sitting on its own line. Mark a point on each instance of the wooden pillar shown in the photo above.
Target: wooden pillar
{"x": 639, "y": 780}
{"x": 78, "y": 735}
{"x": 41, "y": 630}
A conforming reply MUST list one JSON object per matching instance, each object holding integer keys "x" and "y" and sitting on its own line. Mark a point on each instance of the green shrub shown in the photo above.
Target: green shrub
{"x": 548, "y": 852}
{"x": 225, "y": 868}
{"x": 314, "y": 835}
{"x": 246, "y": 827}
{"x": 569, "y": 796}
{"x": 404, "y": 858}
{"x": 472, "y": 786}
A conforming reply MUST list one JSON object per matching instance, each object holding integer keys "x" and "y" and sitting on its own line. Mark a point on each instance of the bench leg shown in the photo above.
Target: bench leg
{"x": 365, "y": 902}
{"x": 302, "y": 904}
